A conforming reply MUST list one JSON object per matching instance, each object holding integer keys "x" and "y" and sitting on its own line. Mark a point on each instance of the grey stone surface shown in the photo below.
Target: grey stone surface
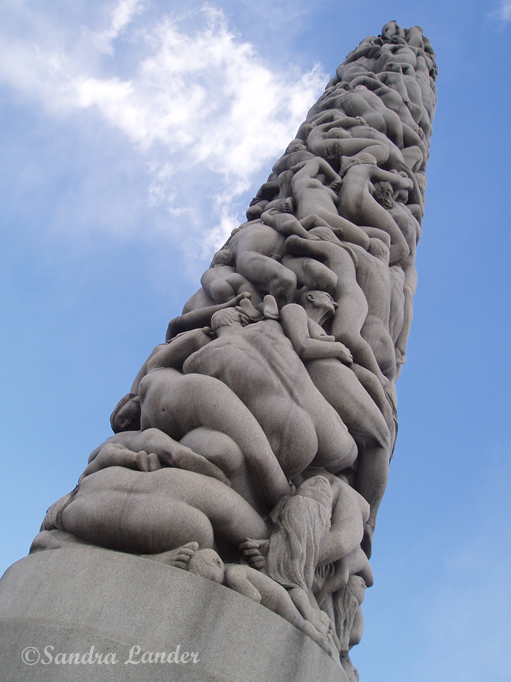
{"x": 77, "y": 598}
{"x": 254, "y": 445}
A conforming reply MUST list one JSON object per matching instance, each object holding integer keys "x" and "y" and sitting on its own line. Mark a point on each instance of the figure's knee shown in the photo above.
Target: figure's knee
{"x": 321, "y": 277}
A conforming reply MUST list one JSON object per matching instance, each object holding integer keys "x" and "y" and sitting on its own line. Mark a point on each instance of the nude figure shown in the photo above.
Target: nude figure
{"x": 116, "y": 451}
{"x": 325, "y": 361}
{"x": 362, "y": 208}
{"x": 392, "y": 29}
{"x": 322, "y": 523}
{"x": 256, "y": 586}
{"x": 371, "y": 85}
{"x": 333, "y": 135}
{"x": 317, "y": 203}
{"x": 364, "y": 59}
{"x": 427, "y": 86}
{"x": 259, "y": 364}
{"x": 163, "y": 398}
{"x": 354, "y": 563}
{"x": 200, "y": 317}
{"x": 402, "y": 78}
{"x": 295, "y": 153}
{"x": 410, "y": 228}
{"x": 374, "y": 278}
{"x": 222, "y": 283}
{"x": 364, "y": 103}
{"x": 332, "y": 255}
{"x": 285, "y": 224}
{"x": 257, "y": 250}
{"x": 154, "y": 512}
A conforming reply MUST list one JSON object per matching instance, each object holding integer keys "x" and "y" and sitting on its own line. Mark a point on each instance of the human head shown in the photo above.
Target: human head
{"x": 303, "y": 132}
{"x": 317, "y": 488}
{"x": 392, "y": 66}
{"x": 295, "y": 146}
{"x": 319, "y": 301}
{"x": 225, "y": 318}
{"x": 383, "y": 193}
{"x": 207, "y": 564}
{"x": 339, "y": 133}
{"x": 222, "y": 257}
{"x": 390, "y": 29}
{"x": 126, "y": 414}
{"x": 256, "y": 210}
{"x": 358, "y": 160}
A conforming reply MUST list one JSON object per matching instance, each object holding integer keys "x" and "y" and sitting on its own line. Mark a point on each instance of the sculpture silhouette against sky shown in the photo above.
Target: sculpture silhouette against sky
{"x": 254, "y": 445}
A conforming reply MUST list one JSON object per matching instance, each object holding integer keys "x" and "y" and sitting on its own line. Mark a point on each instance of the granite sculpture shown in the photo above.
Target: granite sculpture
{"x": 253, "y": 447}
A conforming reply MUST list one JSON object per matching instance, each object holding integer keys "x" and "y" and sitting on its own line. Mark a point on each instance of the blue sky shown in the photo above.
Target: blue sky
{"x": 133, "y": 136}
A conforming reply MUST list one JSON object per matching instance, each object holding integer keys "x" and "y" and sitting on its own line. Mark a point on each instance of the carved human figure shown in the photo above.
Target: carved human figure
{"x": 427, "y": 86}
{"x": 165, "y": 399}
{"x": 317, "y": 203}
{"x": 410, "y": 228}
{"x": 360, "y": 206}
{"x": 117, "y": 451}
{"x": 285, "y": 224}
{"x": 364, "y": 103}
{"x": 200, "y": 317}
{"x": 321, "y": 524}
{"x": 154, "y": 512}
{"x": 223, "y": 283}
{"x": 256, "y": 586}
{"x": 257, "y": 250}
{"x": 257, "y": 362}
{"x": 332, "y": 135}
{"x": 352, "y": 307}
{"x": 295, "y": 153}
{"x": 373, "y": 276}
{"x": 402, "y": 78}
{"x": 412, "y": 135}
{"x": 202, "y": 450}
{"x": 324, "y": 359}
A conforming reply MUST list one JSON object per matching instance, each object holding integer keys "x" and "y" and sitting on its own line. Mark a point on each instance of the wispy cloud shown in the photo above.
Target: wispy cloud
{"x": 122, "y": 15}
{"x": 196, "y": 103}
{"x": 505, "y": 10}
{"x": 503, "y": 13}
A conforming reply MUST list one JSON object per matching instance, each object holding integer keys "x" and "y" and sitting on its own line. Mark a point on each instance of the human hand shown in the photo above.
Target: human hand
{"x": 344, "y": 354}
{"x": 336, "y": 185}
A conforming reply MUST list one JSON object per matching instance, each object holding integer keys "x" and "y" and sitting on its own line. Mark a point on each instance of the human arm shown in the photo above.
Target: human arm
{"x": 285, "y": 224}
{"x": 169, "y": 453}
{"x": 174, "y": 353}
{"x": 295, "y": 323}
{"x": 116, "y": 454}
{"x": 335, "y": 118}
{"x": 371, "y": 82}
{"x": 199, "y": 318}
{"x": 395, "y": 179}
{"x": 395, "y": 81}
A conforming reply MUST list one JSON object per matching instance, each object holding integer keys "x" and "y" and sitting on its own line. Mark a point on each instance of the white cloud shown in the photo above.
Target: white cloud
{"x": 503, "y": 13}
{"x": 505, "y": 10}
{"x": 200, "y": 105}
{"x": 122, "y": 15}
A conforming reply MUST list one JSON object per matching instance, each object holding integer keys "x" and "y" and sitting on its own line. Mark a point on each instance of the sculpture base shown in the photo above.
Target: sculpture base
{"x": 80, "y": 614}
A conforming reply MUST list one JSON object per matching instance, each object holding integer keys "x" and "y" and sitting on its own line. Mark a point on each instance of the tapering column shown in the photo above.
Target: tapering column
{"x": 224, "y": 531}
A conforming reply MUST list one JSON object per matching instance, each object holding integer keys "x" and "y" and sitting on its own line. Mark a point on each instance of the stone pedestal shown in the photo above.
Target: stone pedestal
{"x": 105, "y": 608}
